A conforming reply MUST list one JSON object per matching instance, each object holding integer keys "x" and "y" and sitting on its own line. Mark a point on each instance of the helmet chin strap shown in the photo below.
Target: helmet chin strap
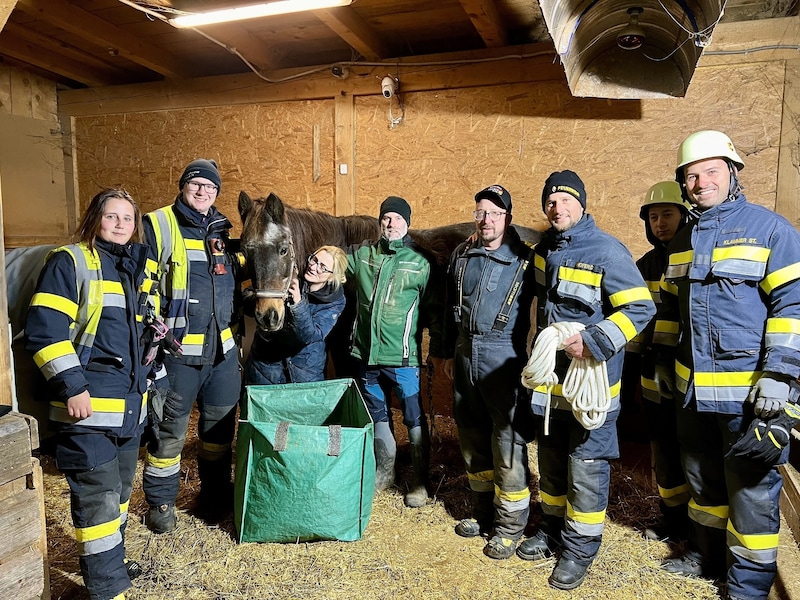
{"x": 735, "y": 188}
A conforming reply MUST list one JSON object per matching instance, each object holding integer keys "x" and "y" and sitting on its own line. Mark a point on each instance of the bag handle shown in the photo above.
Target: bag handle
{"x": 334, "y": 438}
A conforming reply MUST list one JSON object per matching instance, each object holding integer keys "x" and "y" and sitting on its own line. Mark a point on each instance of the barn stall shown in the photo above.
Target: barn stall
{"x": 334, "y": 145}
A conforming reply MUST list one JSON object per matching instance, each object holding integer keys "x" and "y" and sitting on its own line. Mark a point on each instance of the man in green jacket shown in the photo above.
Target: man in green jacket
{"x": 392, "y": 283}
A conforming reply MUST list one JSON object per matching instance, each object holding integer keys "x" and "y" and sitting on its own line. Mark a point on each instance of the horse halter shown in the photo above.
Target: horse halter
{"x": 285, "y": 293}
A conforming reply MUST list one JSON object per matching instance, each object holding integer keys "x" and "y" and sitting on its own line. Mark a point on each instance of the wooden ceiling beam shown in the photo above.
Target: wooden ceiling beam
{"x": 6, "y": 6}
{"x": 253, "y": 48}
{"x": 348, "y": 25}
{"x": 67, "y": 16}
{"x": 47, "y": 59}
{"x": 487, "y": 22}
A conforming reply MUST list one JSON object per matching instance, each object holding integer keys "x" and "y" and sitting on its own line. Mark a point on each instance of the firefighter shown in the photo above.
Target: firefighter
{"x": 664, "y": 212}
{"x": 729, "y": 321}
{"x": 196, "y": 271}
{"x": 85, "y": 326}
{"x": 587, "y": 282}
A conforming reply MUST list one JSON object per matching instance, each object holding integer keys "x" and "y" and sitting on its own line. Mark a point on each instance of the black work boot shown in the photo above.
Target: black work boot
{"x": 538, "y": 548}
{"x": 482, "y": 519}
{"x": 568, "y": 574}
{"x": 161, "y": 518}
{"x": 420, "y": 458}
{"x": 133, "y": 568}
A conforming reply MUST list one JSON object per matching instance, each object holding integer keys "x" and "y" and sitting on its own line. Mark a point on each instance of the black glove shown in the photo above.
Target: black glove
{"x": 765, "y": 440}
{"x": 157, "y": 400}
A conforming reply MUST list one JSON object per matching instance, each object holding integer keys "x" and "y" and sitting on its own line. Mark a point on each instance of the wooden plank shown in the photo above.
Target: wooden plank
{"x": 20, "y": 93}
{"x": 752, "y": 41}
{"x": 15, "y": 447}
{"x": 487, "y": 22}
{"x": 36, "y": 483}
{"x": 22, "y": 576}
{"x": 20, "y": 524}
{"x": 354, "y": 30}
{"x": 44, "y": 100}
{"x": 71, "y": 187}
{"x": 345, "y": 155}
{"x": 6, "y": 6}
{"x": 315, "y": 153}
{"x": 5, "y": 90}
{"x": 23, "y": 241}
{"x": 790, "y": 498}
{"x": 468, "y": 70}
{"x": 787, "y": 201}
{"x": 13, "y": 487}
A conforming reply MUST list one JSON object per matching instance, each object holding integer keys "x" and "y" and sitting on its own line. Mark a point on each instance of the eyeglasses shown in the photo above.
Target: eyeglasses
{"x": 489, "y": 215}
{"x": 194, "y": 186}
{"x": 314, "y": 262}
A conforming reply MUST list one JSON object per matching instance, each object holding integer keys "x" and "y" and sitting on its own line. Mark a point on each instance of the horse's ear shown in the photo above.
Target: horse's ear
{"x": 274, "y": 206}
{"x": 245, "y": 204}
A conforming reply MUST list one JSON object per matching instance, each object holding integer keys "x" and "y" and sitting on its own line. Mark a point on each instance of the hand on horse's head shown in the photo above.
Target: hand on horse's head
{"x": 294, "y": 291}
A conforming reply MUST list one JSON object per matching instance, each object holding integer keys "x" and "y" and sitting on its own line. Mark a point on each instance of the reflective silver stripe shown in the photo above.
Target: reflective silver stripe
{"x": 676, "y": 271}
{"x": 407, "y": 330}
{"x": 228, "y": 345}
{"x": 162, "y": 471}
{"x": 585, "y": 529}
{"x": 59, "y": 365}
{"x": 613, "y": 332}
{"x": 197, "y": 256}
{"x": 587, "y": 293}
{"x": 787, "y": 340}
{"x": 721, "y": 394}
{"x": 737, "y": 266}
{"x": 104, "y": 544}
{"x": 192, "y": 349}
{"x": 114, "y": 300}
{"x": 100, "y": 419}
{"x": 762, "y": 557}
{"x": 706, "y": 518}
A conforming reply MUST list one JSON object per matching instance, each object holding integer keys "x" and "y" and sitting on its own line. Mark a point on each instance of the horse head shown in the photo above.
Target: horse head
{"x": 269, "y": 251}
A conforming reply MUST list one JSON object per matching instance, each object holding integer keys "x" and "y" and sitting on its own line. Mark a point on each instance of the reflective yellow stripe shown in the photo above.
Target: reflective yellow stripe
{"x": 590, "y": 518}
{"x": 681, "y": 258}
{"x": 580, "y": 276}
{"x": 539, "y": 262}
{"x": 484, "y": 476}
{"x": 512, "y": 496}
{"x": 755, "y": 541}
{"x": 558, "y": 390}
{"x": 553, "y": 500}
{"x": 53, "y": 351}
{"x": 621, "y": 320}
{"x": 226, "y": 334}
{"x": 682, "y": 370}
{"x": 754, "y": 253}
{"x": 738, "y": 379}
{"x": 636, "y": 294}
{"x": 193, "y": 339}
{"x": 720, "y": 512}
{"x": 672, "y": 492}
{"x": 108, "y": 405}
{"x": 194, "y": 244}
{"x": 670, "y": 327}
{"x": 95, "y": 532}
{"x": 112, "y": 287}
{"x": 654, "y": 286}
{"x": 783, "y": 325}
{"x": 669, "y": 287}
{"x": 162, "y": 463}
{"x": 123, "y": 508}
{"x": 780, "y": 277}
{"x": 56, "y": 302}
{"x": 648, "y": 384}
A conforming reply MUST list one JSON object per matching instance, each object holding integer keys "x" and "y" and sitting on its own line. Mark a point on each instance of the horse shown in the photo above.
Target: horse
{"x": 277, "y": 239}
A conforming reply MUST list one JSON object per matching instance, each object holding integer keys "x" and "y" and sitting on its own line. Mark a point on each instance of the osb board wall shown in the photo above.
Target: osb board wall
{"x": 259, "y": 149}
{"x": 26, "y": 95}
{"x": 450, "y": 145}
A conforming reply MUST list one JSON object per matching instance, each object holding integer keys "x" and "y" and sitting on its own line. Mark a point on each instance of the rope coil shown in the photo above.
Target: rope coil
{"x": 585, "y": 386}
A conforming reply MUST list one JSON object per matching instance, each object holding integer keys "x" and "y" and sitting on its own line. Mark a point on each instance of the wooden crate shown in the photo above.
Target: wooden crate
{"x": 24, "y": 573}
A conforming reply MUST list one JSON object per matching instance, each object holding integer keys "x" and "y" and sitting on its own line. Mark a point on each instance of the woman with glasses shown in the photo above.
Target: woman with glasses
{"x": 296, "y": 353}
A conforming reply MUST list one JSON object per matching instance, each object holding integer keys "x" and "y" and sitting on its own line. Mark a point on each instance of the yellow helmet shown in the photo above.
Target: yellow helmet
{"x": 663, "y": 192}
{"x": 706, "y": 144}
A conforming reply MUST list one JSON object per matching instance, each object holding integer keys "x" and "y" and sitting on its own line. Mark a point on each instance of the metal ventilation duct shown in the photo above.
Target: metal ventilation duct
{"x": 610, "y": 49}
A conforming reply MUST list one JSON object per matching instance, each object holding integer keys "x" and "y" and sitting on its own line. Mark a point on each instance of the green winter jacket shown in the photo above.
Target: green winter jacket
{"x": 391, "y": 280}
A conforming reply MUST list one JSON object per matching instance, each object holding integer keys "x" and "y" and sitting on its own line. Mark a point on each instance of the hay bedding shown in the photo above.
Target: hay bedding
{"x": 404, "y": 553}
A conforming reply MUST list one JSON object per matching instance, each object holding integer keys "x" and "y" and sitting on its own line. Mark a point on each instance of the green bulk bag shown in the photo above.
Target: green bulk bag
{"x": 305, "y": 464}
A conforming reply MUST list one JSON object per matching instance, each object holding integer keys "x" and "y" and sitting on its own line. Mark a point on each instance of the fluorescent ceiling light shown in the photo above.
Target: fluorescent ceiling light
{"x": 267, "y": 9}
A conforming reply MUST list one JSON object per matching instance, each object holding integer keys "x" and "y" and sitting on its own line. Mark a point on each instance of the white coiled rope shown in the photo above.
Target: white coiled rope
{"x": 585, "y": 385}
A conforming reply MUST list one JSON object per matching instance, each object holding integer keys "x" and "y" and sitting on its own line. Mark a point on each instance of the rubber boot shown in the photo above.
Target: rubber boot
{"x": 420, "y": 457}
{"x": 385, "y": 454}
{"x": 161, "y": 519}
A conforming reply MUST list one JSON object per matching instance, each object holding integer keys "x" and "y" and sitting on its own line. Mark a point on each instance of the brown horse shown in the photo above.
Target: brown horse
{"x": 277, "y": 240}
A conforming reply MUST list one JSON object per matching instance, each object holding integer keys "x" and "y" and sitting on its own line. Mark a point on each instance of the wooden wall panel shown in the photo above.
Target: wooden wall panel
{"x": 259, "y": 148}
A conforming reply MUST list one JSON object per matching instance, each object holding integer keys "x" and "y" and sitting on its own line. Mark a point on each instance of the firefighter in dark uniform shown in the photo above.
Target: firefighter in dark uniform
{"x": 190, "y": 252}
{"x": 85, "y": 327}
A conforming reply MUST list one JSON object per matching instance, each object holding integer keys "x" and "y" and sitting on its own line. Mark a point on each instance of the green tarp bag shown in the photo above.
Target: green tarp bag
{"x": 305, "y": 464}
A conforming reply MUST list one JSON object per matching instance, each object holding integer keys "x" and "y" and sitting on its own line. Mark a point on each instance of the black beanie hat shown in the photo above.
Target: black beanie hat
{"x": 564, "y": 181}
{"x": 201, "y": 168}
{"x": 397, "y": 205}
{"x": 497, "y": 194}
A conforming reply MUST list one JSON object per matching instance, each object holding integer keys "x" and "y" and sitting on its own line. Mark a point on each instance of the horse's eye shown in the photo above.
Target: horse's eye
{"x": 284, "y": 251}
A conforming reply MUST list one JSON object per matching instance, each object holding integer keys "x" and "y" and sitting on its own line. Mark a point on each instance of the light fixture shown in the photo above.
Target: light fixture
{"x": 253, "y": 11}
{"x": 633, "y": 36}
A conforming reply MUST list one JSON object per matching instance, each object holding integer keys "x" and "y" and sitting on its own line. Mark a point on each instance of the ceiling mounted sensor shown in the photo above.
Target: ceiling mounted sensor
{"x": 253, "y": 11}
{"x": 636, "y": 50}
{"x": 633, "y": 36}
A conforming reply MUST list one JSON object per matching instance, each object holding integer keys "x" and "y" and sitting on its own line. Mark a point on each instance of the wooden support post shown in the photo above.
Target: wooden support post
{"x": 345, "y": 155}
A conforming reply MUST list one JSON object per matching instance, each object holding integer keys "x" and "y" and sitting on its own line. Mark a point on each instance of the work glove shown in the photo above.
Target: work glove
{"x": 770, "y": 394}
{"x": 765, "y": 440}
{"x": 665, "y": 380}
{"x": 157, "y": 399}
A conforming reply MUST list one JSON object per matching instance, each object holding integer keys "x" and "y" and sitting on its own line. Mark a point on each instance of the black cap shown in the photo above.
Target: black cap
{"x": 200, "y": 168}
{"x": 397, "y": 205}
{"x": 497, "y": 194}
{"x": 564, "y": 181}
